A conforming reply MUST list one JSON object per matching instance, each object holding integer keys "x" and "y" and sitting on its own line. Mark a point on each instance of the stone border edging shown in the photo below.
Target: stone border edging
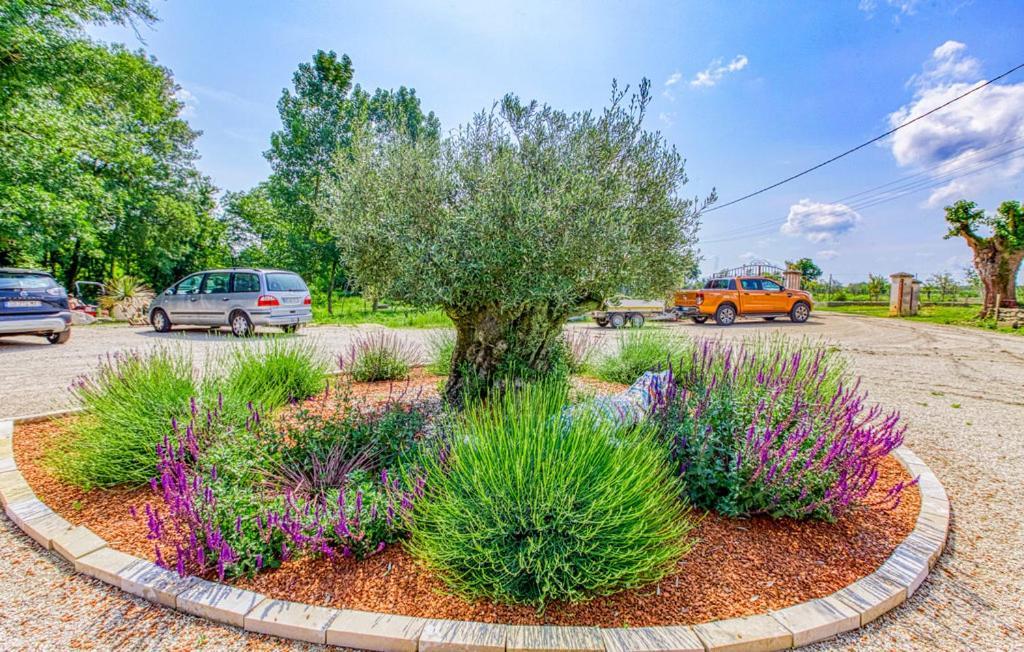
{"x": 808, "y": 622}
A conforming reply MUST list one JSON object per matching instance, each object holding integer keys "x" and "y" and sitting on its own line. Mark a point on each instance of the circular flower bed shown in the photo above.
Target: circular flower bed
{"x": 756, "y": 478}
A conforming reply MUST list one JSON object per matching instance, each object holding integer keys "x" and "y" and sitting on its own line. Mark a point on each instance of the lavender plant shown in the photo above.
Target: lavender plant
{"x": 775, "y": 428}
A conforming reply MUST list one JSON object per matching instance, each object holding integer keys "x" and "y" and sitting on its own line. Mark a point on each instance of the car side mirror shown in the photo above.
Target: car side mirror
{"x": 169, "y": 291}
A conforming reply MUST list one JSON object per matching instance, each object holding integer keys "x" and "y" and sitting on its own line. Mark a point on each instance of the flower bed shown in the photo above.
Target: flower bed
{"x": 737, "y": 566}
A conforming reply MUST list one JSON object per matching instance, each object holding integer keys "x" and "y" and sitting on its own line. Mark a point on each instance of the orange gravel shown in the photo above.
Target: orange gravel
{"x": 739, "y": 566}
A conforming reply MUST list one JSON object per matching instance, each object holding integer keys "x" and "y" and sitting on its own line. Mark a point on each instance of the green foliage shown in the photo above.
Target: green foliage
{"x": 97, "y": 167}
{"x": 877, "y": 286}
{"x": 997, "y": 256}
{"x": 268, "y": 373}
{"x": 811, "y": 272}
{"x": 526, "y": 509}
{"x": 512, "y": 221}
{"x": 639, "y": 351}
{"x": 441, "y": 349}
{"x": 381, "y": 355}
{"x": 277, "y": 222}
{"x": 129, "y": 405}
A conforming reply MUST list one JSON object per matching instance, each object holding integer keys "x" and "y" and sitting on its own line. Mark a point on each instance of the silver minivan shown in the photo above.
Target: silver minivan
{"x": 241, "y": 298}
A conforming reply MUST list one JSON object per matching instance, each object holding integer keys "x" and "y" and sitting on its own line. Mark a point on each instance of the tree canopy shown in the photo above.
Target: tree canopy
{"x": 512, "y": 221}
{"x": 97, "y": 173}
{"x": 279, "y": 221}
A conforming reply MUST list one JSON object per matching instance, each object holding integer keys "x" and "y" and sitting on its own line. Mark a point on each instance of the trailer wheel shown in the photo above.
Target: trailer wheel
{"x": 700, "y": 319}
{"x": 617, "y": 320}
{"x": 636, "y": 320}
{"x": 602, "y": 322}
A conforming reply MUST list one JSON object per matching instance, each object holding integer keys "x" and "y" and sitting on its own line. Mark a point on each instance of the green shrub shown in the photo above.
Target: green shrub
{"x": 129, "y": 405}
{"x": 441, "y": 347}
{"x": 639, "y": 351}
{"x": 525, "y": 508}
{"x": 381, "y": 355}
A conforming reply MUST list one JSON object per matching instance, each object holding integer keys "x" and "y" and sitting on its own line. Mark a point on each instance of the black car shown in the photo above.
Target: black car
{"x": 33, "y": 303}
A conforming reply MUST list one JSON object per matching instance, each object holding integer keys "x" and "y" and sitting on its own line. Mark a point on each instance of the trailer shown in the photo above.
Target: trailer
{"x": 620, "y": 311}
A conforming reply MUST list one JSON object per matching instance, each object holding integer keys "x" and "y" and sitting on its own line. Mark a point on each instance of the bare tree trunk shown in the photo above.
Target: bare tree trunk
{"x": 330, "y": 286}
{"x": 998, "y": 271}
{"x": 494, "y": 352}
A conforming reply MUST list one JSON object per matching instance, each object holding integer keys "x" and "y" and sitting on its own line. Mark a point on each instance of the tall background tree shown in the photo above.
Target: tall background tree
{"x": 513, "y": 221}
{"x": 97, "y": 168}
{"x": 997, "y": 256}
{"x": 278, "y": 222}
{"x": 808, "y": 268}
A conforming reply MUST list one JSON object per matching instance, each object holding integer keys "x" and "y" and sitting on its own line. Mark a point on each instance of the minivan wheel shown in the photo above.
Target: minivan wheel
{"x": 59, "y": 338}
{"x": 160, "y": 322}
{"x": 725, "y": 315}
{"x": 241, "y": 325}
{"x": 800, "y": 312}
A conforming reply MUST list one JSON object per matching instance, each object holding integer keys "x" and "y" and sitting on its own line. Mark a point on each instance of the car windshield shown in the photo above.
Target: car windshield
{"x": 16, "y": 281}
{"x": 285, "y": 282}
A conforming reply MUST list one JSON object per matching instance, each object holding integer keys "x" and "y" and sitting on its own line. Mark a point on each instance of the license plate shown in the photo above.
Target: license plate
{"x": 291, "y": 301}
{"x": 23, "y": 304}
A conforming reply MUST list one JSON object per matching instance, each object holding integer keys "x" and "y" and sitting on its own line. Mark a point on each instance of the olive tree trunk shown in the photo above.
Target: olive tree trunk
{"x": 495, "y": 351}
{"x": 997, "y": 269}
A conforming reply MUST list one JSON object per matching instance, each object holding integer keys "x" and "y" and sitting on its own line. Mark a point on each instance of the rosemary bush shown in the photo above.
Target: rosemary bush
{"x": 529, "y": 507}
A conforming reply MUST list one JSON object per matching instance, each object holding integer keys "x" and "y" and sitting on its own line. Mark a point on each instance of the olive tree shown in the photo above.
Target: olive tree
{"x": 997, "y": 256}
{"x": 512, "y": 221}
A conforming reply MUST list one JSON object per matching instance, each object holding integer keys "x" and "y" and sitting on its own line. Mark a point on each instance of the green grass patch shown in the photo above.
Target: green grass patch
{"x": 382, "y": 355}
{"x": 357, "y": 310}
{"x": 526, "y": 508}
{"x": 441, "y": 349}
{"x": 950, "y": 315}
{"x": 269, "y": 373}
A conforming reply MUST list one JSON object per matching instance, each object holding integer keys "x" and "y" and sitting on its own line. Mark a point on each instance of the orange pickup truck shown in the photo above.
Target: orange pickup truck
{"x": 725, "y": 299}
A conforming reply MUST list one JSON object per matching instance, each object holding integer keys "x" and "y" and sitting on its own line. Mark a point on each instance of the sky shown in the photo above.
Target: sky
{"x": 749, "y": 92}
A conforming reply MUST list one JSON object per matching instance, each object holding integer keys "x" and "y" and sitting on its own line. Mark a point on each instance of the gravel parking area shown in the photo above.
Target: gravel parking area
{"x": 961, "y": 392}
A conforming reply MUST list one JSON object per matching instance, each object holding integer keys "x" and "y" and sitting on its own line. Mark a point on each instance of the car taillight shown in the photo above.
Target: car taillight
{"x": 308, "y": 301}
{"x": 267, "y": 300}
{"x": 700, "y": 298}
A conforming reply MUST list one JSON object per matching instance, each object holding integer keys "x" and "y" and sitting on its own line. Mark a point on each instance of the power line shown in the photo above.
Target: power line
{"x": 868, "y": 198}
{"x": 865, "y": 144}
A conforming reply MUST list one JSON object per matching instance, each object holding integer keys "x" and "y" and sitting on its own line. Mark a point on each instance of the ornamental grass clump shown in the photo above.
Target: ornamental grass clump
{"x": 776, "y": 428}
{"x": 637, "y": 352}
{"x": 380, "y": 355}
{"x": 441, "y": 346}
{"x": 269, "y": 374}
{"x": 527, "y": 506}
{"x": 128, "y": 402}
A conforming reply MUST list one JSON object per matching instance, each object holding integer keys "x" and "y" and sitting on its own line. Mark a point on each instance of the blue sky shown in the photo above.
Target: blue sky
{"x": 749, "y": 92}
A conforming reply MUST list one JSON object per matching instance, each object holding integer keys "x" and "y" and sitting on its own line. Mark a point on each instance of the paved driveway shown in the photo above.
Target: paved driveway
{"x": 961, "y": 392}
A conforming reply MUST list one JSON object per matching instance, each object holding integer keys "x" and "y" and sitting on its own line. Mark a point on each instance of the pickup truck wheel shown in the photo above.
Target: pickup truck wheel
{"x": 617, "y": 320}
{"x": 59, "y": 338}
{"x": 725, "y": 315}
{"x": 800, "y": 312}
{"x": 636, "y": 321}
{"x": 768, "y": 318}
{"x": 699, "y": 320}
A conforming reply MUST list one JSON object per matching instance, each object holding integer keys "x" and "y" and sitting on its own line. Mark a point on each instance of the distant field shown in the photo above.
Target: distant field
{"x": 955, "y": 315}
{"x": 356, "y": 310}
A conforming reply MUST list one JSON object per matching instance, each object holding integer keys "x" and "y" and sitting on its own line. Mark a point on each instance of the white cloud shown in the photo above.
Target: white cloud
{"x": 819, "y": 222}
{"x": 748, "y": 256}
{"x": 901, "y": 7}
{"x": 962, "y": 137}
{"x": 827, "y": 254}
{"x": 716, "y": 70}
{"x": 673, "y": 78}
{"x": 666, "y": 118}
{"x": 188, "y": 102}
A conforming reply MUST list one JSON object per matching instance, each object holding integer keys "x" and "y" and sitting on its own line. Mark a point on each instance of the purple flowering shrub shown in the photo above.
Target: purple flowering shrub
{"x": 226, "y": 511}
{"x": 775, "y": 428}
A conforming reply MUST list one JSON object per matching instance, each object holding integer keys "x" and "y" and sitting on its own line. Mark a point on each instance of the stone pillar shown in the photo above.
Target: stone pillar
{"x": 901, "y": 294}
{"x": 791, "y": 279}
{"x": 915, "y": 296}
